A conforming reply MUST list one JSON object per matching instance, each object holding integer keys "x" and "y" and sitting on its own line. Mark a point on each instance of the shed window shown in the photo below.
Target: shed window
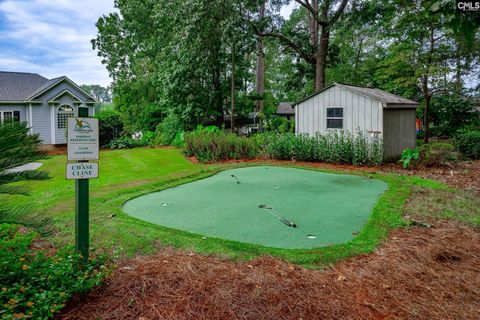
{"x": 334, "y": 118}
{"x": 64, "y": 112}
{"x": 9, "y": 116}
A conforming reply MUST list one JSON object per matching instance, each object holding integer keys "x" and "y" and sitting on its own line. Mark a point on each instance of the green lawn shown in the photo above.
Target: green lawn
{"x": 125, "y": 174}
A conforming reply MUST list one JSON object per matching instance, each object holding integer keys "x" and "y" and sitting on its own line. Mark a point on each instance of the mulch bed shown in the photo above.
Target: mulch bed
{"x": 421, "y": 273}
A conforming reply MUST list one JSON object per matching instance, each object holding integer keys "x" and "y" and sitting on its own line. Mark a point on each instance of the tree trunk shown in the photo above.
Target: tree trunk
{"x": 232, "y": 88}
{"x": 321, "y": 61}
{"x": 313, "y": 30}
{"x": 427, "y": 98}
{"x": 260, "y": 73}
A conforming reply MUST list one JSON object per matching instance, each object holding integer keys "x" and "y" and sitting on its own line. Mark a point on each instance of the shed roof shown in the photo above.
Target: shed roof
{"x": 285, "y": 108}
{"x": 18, "y": 86}
{"x": 391, "y": 100}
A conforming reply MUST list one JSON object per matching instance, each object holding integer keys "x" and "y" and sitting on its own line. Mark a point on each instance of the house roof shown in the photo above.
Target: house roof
{"x": 22, "y": 86}
{"x": 391, "y": 100}
{"x": 285, "y": 108}
{"x": 18, "y": 86}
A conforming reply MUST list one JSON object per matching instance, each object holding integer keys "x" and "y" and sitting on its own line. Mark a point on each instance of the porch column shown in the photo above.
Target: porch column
{"x": 52, "y": 124}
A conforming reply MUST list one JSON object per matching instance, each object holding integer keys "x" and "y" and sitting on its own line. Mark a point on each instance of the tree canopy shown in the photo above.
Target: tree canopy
{"x": 200, "y": 59}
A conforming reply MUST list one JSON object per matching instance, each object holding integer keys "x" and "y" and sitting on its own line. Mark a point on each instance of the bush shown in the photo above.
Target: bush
{"x": 216, "y": 146}
{"x": 169, "y": 130}
{"x": 110, "y": 126}
{"x": 126, "y": 143}
{"x": 335, "y": 147}
{"x": 35, "y": 284}
{"x": 437, "y": 154}
{"x": 467, "y": 142}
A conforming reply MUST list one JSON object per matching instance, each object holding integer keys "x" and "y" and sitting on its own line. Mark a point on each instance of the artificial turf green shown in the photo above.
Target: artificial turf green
{"x": 327, "y": 208}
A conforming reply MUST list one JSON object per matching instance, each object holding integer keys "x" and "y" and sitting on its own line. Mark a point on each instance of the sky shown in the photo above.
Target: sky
{"x": 52, "y": 38}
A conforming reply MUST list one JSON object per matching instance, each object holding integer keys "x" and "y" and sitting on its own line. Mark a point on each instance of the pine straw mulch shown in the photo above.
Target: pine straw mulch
{"x": 420, "y": 273}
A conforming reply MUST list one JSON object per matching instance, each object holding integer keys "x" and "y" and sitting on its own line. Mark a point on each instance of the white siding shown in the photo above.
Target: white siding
{"x": 359, "y": 112}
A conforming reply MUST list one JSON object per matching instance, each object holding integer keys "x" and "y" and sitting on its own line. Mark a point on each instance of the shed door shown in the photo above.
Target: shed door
{"x": 399, "y": 132}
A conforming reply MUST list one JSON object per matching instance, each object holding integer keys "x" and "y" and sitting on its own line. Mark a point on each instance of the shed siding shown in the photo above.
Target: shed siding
{"x": 360, "y": 113}
{"x": 399, "y": 132}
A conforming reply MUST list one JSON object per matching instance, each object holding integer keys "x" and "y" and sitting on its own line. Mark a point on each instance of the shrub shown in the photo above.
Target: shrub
{"x": 168, "y": 130}
{"x": 35, "y": 283}
{"x": 334, "y": 147}
{"x": 407, "y": 156}
{"x": 467, "y": 142}
{"x": 125, "y": 143}
{"x": 110, "y": 126}
{"x": 216, "y": 146}
{"x": 437, "y": 154}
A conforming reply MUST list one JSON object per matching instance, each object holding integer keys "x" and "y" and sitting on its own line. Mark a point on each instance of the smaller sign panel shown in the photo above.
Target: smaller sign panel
{"x": 82, "y": 139}
{"x": 82, "y": 170}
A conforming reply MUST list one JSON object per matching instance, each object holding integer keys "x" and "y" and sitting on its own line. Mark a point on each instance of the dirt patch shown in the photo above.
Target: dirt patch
{"x": 419, "y": 274}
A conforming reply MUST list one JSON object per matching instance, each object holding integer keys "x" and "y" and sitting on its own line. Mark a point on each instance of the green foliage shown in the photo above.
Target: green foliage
{"x": 407, "y": 156}
{"x": 169, "y": 130}
{"x": 125, "y": 143}
{"x": 334, "y": 147}
{"x": 35, "y": 283}
{"x": 110, "y": 126}
{"x": 467, "y": 142}
{"x": 437, "y": 154}
{"x": 280, "y": 125}
{"x": 216, "y": 146}
{"x": 451, "y": 112}
{"x": 18, "y": 147}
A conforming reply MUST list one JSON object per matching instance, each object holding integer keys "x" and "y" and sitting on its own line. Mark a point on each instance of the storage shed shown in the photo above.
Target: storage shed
{"x": 355, "y": 108}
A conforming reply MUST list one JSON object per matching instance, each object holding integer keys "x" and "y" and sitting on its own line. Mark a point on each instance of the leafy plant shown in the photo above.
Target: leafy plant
{"x": 36, "y": 283}
{"x": 125, "y": 143}
{"x": 110, "y": 126}
{"x": 168, "y": 129}
{"x": 437, "y": 154}
{"x": 18, "y": 147}
{"x": 407, "y": 156}
{"x": 467, "y": 141}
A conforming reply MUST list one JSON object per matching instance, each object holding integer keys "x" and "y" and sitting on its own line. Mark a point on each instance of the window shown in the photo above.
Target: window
{"x": 9, "y": 116}
{"x": 64, "y": 112}
{"x": 334, "y": 118}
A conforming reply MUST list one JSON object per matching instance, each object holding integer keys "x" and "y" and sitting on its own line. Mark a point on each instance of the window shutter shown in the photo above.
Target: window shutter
{"x": 16, "y": 116}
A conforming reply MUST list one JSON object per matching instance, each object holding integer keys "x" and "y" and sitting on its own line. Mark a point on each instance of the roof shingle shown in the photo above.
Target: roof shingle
{"x": 18, "y": 86}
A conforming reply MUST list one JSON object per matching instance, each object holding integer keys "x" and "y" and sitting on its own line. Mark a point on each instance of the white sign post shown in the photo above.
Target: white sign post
{"x": 82, "y": 146}
{"x": 82, "y": 139}
{"x": 82, "y": 170}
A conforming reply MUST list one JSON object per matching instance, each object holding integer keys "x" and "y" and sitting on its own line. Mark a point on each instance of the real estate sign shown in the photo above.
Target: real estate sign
{"x": 82, "y": 170}
{"x": 82, "y": 139}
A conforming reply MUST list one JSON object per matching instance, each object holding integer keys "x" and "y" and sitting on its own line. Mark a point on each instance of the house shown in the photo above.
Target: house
{"x": 286, "y": 110}
{"x": 355, "y": 108}
{"x": 45, "y": 104}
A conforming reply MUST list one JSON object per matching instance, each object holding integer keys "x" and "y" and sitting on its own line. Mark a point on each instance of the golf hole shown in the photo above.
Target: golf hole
{"x": 163, "y": 204}
{"x": 276, "y": 187}
{"x": 311, "y": 236}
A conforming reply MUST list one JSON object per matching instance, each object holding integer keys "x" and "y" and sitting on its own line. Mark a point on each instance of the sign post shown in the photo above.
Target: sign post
{"x": 82, "y": 146}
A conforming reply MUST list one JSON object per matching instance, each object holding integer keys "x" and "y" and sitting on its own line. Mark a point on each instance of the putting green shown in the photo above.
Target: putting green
{"x": 327, "y": 208}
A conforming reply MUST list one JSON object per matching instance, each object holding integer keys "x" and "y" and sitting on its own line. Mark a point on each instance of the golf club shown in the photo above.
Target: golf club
{"x": 235, "y": 177}
{"x": 277, "y": 215}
